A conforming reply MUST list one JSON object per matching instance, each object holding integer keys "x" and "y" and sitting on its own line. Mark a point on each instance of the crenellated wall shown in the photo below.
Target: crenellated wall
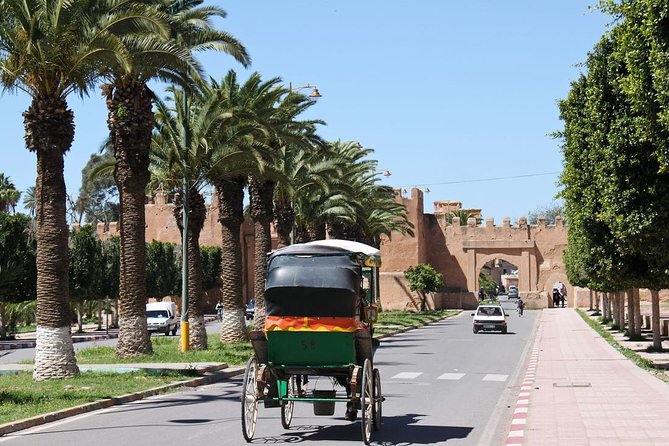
{"x": 458, "y": 252}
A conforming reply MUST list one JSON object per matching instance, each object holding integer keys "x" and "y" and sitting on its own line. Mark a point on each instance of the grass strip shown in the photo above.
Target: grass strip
{"x": 628, "y": 353}
{"x": 21, "y": 397}
{"x": 391, "y": 322}
{"x": 166, "y": 350}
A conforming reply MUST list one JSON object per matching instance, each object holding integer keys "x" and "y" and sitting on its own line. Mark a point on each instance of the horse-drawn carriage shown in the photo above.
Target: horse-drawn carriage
{"x": 319, "y": 308}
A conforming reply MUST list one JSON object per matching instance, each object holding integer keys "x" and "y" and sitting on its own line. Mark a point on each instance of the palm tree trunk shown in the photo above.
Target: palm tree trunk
{"x": 130, "y": 122}
{"x": 197, "y": 211}
{"x": 230, "y": 197}
{"x": 284, "y": 218}
{"x": 262, "y": 193}
{"x": 49, "y": 128}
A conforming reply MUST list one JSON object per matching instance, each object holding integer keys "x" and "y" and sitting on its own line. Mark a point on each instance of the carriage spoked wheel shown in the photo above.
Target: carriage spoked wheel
{"x": 250, "y": 399}
{"x": 288, "y": 406}
{"x": 367, "y": 401}
{"x": 378, "y": 400}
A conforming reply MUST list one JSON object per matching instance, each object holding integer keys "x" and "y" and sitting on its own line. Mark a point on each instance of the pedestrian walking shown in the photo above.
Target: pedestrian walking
{"x": 521, "y": 306}
{"x": 481, "y": 295}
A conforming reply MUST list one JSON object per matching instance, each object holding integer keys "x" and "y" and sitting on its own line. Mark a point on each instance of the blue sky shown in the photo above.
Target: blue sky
{"x": 445, "y": 92}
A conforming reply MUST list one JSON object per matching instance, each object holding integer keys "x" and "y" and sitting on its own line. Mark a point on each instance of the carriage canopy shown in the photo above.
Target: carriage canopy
{"x": 321, "y": 278}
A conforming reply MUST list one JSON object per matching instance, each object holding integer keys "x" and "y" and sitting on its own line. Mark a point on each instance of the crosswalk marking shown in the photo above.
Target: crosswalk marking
{"x": 491, "y": 377}
{"x": 407, "y": 375}
{"x": 452, "y": 376}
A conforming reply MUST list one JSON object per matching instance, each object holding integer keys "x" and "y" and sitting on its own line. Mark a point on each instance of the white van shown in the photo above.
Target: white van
{"x": 162, "y": 317}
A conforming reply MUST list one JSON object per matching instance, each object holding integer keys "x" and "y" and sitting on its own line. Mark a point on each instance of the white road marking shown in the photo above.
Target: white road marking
{"x": 492, "y": 377}
{"x": 451, "y": 376}
{"x": 407, "y": 375}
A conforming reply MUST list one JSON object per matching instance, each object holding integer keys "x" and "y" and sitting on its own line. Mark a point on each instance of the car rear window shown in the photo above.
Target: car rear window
{"x": 490, "y": 311}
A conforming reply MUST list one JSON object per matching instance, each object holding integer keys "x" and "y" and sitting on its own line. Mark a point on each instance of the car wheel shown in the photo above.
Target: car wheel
{"x": 476, "y": 330}
{"x": 504, "y": 330}
{"x": 174, "y": 330}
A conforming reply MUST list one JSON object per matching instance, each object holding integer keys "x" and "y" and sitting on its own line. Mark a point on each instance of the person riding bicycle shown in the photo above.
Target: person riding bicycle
{"x": 219, "y": 310}
{"x": 521, "y": 306}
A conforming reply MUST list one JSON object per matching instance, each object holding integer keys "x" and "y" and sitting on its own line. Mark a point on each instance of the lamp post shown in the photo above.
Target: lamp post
{"x": 185, "y": 329}
{"x": 315, "y": 94}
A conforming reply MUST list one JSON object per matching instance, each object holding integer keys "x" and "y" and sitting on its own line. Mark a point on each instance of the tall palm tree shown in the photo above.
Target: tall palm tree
{"x": 185, "y": 27}
{"x": 182, "y": 150}
{"x": 282, "y": 128}
{"x": 241, "y": 143}
{"x": 49, "y": 50}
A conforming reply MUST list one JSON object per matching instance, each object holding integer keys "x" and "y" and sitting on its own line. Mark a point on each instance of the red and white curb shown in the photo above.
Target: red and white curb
{"x": 519, "y": 420}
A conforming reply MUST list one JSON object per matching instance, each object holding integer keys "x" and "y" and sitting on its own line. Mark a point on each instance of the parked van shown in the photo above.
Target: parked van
{"x": 162, "y": 317}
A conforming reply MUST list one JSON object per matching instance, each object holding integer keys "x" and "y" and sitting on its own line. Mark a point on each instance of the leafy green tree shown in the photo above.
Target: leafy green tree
{"x": 86, "y": 268}
{"x": 18, "y": 273}
{"x": 550, "y": 213}
{"x": 163, "y": 272}
{"x": 424, "y": 279}
{"x": 486, "y": 283}
{"x": 98, "y": 193}
{"x": 211, "y": 266}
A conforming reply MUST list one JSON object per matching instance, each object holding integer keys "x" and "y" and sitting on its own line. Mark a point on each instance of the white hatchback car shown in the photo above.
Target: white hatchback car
{"x": 490, "y": 316}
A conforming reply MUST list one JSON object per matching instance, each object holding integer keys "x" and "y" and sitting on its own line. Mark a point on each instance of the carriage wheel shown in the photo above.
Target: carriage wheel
{"x": 378, "y": 400}
{"x": 250, "y": 399}
{"x": 288, "y": 406}
{"x": 367, "y": 401}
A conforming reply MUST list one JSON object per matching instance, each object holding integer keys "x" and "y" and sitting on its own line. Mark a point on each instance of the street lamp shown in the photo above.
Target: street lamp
{"x": 314, "y": 90}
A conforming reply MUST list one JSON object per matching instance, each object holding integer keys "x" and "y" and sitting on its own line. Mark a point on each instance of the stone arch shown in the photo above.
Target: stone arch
{"x": 546, "y": 288}
{"x": 481, "y": 262}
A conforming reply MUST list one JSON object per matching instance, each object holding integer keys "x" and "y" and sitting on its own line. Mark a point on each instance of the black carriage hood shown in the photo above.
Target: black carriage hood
{"x": 307, "y": 280}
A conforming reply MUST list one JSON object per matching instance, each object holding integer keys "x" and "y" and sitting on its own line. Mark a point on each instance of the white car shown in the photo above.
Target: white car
{"x": 490, "y": 317}
{"x": 513, "y": 291}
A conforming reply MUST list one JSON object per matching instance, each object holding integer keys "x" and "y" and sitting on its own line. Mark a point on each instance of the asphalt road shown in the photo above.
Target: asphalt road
{"x": 442, "y": 383}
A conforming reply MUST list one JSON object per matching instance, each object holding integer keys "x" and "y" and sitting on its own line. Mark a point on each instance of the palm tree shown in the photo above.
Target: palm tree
{"x": 241, "y": 145}
{"x": 376, "y": 212}
{"x": 181, "y": 150}
{"x": 305, "y": 171}
{"x": 49, "y": 50}
{"x": 185, "y": 27}
{"x": 278, "y": 119}
{"x": 464, "y": 215}
{"x": 29, "y": 200}
{"x": 9, "y": 196}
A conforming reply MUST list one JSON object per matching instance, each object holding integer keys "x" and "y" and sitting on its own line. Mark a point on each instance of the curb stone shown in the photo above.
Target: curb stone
{"x": 217, "y": 373}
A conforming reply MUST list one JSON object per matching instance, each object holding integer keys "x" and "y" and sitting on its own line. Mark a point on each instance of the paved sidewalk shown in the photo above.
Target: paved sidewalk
{"x": 578, "y": 390}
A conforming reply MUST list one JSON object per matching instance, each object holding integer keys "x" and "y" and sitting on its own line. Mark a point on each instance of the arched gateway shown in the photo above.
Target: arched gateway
{"x": 459, "y": 252}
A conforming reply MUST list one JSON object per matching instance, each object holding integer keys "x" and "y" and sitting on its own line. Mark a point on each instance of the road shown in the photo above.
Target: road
{"x": 442, "y": 383}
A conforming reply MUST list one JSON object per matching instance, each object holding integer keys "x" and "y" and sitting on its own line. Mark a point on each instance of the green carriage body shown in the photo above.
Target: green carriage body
{"x": 315, "y": 298}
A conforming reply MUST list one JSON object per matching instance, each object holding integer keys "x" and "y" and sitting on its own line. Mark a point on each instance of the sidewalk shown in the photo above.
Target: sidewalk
{"x": 578, "y": 390}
